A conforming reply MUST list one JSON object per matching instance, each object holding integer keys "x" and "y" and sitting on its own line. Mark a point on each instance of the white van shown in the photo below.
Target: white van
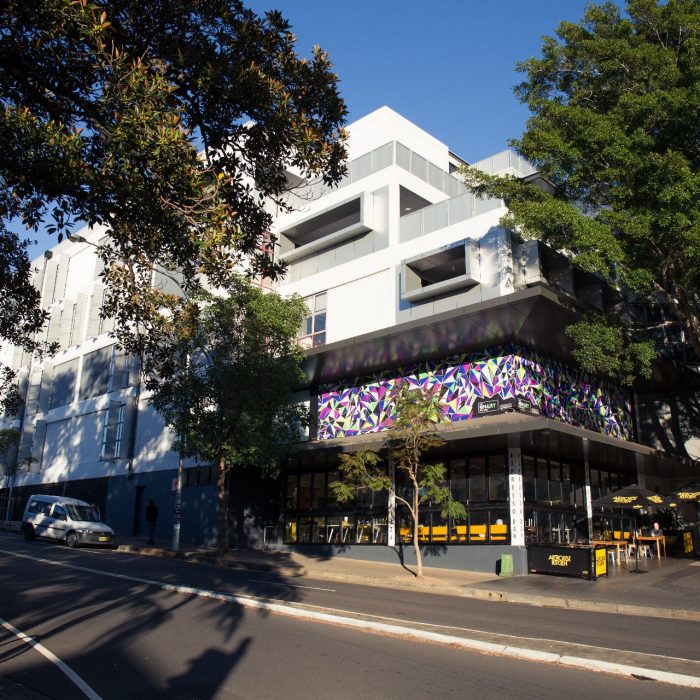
{"x": 66, "y": 519}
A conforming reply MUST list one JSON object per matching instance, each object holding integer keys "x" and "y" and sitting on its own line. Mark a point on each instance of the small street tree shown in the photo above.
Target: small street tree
{"x": 413, "y": 435}
{"x": 223, "y": 381}
{"x": 615, "y": 103}
{"x": 9, "y": 445}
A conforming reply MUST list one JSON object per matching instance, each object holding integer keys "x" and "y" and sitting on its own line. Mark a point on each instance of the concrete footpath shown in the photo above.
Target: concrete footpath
{"x": 669, "y": 588}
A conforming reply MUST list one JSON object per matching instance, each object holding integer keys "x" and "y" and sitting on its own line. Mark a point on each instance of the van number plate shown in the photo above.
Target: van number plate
{"x": 104, "y": 539}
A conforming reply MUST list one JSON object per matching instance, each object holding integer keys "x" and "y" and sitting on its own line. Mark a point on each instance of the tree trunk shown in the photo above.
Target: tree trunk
{"x": 222, "y": 502}
{"x": 416, "y": 541}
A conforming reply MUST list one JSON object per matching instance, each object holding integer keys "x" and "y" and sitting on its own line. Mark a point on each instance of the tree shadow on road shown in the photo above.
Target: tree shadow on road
{"x": 105, "y": 627}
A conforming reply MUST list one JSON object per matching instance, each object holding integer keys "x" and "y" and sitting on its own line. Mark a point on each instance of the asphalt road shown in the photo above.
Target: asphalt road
{"x": 127, "y": 637}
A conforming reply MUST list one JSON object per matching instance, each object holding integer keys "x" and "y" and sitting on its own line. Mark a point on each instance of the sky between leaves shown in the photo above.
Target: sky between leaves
{"x": 447, "y": 65}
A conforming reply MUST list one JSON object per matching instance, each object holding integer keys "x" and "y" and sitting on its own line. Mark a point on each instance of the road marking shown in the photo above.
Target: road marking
{"x": 291, "y": 585}
{"x": 84, "y": 687}
{"x": 306, "y": 613}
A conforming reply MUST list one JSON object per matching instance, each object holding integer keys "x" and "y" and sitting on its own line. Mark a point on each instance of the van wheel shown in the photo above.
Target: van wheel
{"x": 29, "y": 532}
{"x": 72, "y": 539}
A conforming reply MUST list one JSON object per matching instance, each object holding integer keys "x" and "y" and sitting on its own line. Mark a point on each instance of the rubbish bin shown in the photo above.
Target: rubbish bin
{"x": 506, "y": 565}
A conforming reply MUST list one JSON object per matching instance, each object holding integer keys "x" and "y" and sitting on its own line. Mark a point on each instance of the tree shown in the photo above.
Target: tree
{"x": 411, "y": 437}
{"x": 615, "y": 104}
{"x": 172, "y": 123}
{"x": 224, "y": 382}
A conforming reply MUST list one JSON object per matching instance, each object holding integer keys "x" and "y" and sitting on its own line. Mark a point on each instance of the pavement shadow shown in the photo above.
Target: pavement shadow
{"x": 142, "y": 598}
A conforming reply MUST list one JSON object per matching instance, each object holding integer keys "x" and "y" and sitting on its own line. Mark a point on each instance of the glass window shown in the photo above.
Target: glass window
{"x": 458, "y": 480}
{"x": 497, "y": 478}
{"x": 364, "y": 530}
{"x": 319, "y": 494}
{"x": 438, "y": 529}
{"x": 554, "y": 482}
{"x": 477, "y": 479}
{"x": 347, "y": 529}
{"x": 305, "y": 492}
{"x": 499, "y": 532}
{"x": 318, "y": 534}
{"x": 333, "y": 529}
{"x": 291, "y": 501}
{"x": 478, "y": 526}
{"x": 542, "y": 485}
{"x": 119, "y": 431}
{"x": 290, "y": 530}
{"x": 332, "y": 476}
{"x": 529, "y": 478}
{"x": 320, "y": 322}
{"x": 313, "y": 329}
{"x": 304, "y": 530}
{"x": 567, "y": 493}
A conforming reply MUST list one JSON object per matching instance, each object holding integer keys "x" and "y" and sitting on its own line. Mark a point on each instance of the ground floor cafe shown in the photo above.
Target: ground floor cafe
{"x": 529, "y": 485}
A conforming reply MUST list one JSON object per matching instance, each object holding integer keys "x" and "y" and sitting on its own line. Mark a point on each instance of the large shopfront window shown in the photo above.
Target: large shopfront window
{"x": 478, "y": 481}
{"x": 553, "y": 490}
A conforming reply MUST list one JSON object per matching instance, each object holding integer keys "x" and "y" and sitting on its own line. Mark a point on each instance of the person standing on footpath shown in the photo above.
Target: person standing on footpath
{"x": 151, "y": 519}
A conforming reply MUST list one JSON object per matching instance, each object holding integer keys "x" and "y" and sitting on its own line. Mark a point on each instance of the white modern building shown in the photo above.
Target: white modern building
{"x": 408, "y": 277}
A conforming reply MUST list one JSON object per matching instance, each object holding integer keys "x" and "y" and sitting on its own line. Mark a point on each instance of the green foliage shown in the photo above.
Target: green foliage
{"x": 413, "y": 434}
{"x": 223, "y": 379}
{"x": 603, "y": 349}
{"x": 360, "y": 472}
{"x": 169, "y": 122}
{"x": 615, "y": 103}
{"x": 9, "y": 444}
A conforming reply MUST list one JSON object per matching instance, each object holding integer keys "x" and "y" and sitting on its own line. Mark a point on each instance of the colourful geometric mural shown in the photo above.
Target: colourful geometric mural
{"x": 476, "y": 383}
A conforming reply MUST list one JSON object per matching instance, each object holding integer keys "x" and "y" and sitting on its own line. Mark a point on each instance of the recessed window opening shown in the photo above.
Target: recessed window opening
{"x": 329, "y": 222}
{"x": 410, "y": 201}
{"x": 440, "y": 267}
{"x": 441, "y": 271}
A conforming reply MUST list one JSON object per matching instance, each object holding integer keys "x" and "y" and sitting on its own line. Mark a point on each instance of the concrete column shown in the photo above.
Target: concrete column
{"x": 587, "y": 488}
{"x": 515, "y": 492}
{"x": 391, "y": 507}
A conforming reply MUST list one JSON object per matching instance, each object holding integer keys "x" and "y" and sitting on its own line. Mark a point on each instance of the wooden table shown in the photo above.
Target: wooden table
{"x": 611, "y": 543}
{"x": 659, "y": 539}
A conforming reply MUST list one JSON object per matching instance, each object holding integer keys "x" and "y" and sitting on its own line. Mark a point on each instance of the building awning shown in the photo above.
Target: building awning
{"x": 534, "y": 434}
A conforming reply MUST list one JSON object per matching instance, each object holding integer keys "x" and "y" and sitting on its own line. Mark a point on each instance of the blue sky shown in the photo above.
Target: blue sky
{"x": 447, "y": 65}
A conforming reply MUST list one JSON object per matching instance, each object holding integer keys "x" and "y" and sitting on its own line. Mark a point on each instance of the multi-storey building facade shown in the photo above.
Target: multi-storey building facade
{"x": 408, "y": 277}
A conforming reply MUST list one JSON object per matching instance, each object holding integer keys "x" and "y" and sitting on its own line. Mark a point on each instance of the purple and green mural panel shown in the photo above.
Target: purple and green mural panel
{"x": 476, "y": 384}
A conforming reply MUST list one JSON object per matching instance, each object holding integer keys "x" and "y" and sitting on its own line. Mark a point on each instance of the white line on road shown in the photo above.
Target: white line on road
{"x": 307, "y": 613}
{"x": 292, "y": 585}
{"x": 84, "y": 687}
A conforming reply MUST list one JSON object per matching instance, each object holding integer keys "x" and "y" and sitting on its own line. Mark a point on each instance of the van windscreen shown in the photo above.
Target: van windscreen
{"x": 81, "y": 512}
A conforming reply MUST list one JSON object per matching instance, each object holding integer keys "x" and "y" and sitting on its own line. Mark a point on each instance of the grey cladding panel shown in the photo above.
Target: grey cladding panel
{"x": 54, "y": 332}
{"x": 64, "y": 382}
{"x": 25, "y": 447}
{"x": 66, "y": 324}
{"x": 93, "y": 328}
{"x": 361, "y": 167}
{"x": 383, "y": 156}
{"x": 403, "y": 156}
{"x": 94, "y": 379}
{"x": 32, "y": 403}
{"x": 38, "y": 446}
{"x": 50, "y": 273}
{"x": 46, "y": 381}
{"x": 76, "y": 335}
{"x": 61, "y": 277}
